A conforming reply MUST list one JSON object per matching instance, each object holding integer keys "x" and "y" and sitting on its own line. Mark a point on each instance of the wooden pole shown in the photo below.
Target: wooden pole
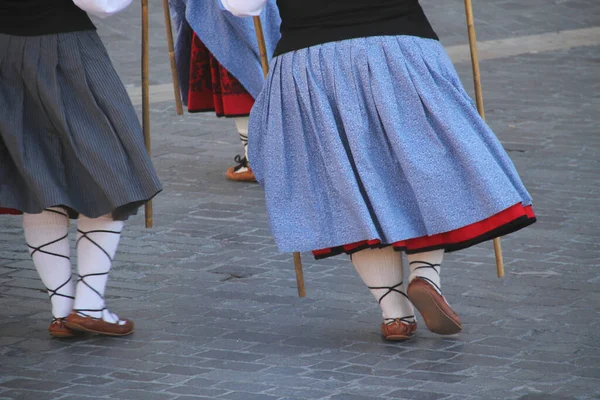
{"x": 146, "y": 98}
{"x": 174, "y": 74}
{"x": 480, "y": 108}
{"x": 264, "y": 61}
{"x": 262, "y": 48}
{"x": 299, "y": 275}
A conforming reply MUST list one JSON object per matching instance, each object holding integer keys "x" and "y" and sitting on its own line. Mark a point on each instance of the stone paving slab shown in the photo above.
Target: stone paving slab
{"x": 215, "y": 304}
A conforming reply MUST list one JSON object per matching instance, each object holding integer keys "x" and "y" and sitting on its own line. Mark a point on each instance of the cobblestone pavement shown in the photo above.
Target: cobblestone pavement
{"x": 215, "y": 304}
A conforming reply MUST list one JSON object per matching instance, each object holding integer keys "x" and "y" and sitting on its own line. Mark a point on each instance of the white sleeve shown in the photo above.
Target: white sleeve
{"x": 244, "y": 8}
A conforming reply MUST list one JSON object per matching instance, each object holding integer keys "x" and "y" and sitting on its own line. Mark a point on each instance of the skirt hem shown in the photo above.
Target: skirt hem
{"x": 218, "y": 115}
{"x": 120, "y": 213}
{"x": 508, "y": 221}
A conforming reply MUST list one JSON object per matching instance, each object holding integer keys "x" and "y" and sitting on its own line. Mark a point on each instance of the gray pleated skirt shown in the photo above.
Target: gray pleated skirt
{"x": 69, "y": 135}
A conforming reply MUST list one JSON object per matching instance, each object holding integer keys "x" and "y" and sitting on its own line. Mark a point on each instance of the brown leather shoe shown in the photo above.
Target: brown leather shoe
{"x": 58, "y": 329}
{"x": 398, "y": 330}
{"x": 247, "y": 176}
{"x": 82, "y": 323}
{"x": 234, "y": 173}
{"x": 436, "y": 312}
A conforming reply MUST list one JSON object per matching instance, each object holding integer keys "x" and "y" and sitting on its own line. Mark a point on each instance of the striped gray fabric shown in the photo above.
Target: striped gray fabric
{"x": 69, "y": 135}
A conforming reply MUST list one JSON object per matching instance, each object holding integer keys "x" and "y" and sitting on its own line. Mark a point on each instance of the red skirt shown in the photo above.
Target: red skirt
{"x": 510, "y": 220}
{"x": 213, "y": 88}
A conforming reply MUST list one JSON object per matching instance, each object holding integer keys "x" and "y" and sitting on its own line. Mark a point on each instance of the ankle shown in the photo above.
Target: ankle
{"x": 426, "y": 266}
{"x": 394, "y": 303}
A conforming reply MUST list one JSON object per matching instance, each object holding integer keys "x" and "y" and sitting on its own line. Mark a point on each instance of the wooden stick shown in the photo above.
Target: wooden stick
{"x": 480, "y": 108}
{"x": 262, "y": 48}
{"x": 299, "y": 275}
{"x": 264, "y": 61}
{"x": 146, "y": 99}
{"x": 499, "y": 258}
{"x": 174, "y": 74}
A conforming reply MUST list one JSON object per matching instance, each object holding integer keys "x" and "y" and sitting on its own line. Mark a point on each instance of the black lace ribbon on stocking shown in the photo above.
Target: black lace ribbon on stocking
{"x": 40, "y": 249}
{"x": 242, "y": 163}
{"x": 81, "y": 278}
{"x": 427, "y": 265}
{"x": 392, "y": 289}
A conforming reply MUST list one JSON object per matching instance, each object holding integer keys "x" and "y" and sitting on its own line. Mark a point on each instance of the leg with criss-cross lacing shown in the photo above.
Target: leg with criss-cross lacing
{"x": 47, "y": 238}
{"x": 241, "y": 123}
{"x": 425, "y": 291}
{"x": 242, "y": 171}
{"x": 97, "y": 241}
{"x": 426, "y": 266}
{"x": 383, "y": 273}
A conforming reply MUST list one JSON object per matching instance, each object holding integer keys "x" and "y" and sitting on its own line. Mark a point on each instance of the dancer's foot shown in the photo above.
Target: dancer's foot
{"x": 58, "y": 329}
{"x": 382, "y": 271}
{"x": 241, "y": 172}
{"x": 398, "y": 330}
{"x": 439, "y": 317}
{"x": 109, "y": 324}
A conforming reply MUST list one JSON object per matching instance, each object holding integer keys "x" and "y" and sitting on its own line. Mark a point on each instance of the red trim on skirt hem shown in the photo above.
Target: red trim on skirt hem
{"x": 508, "y": 221}
{"x": 221, "y": 115}
{"x": 10, "y": 211}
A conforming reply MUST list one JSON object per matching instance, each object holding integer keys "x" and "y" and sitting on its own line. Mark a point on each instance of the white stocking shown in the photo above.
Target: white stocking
{"x": 427, "y": 266}
{"x": 97, "y": 241}
{"x": 47, "y": 238}
{"x": 241, "y": 124}
{"x": 382, "y": 271}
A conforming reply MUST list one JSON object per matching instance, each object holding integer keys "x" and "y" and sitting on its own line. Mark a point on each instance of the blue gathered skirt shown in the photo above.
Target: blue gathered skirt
{"x": 375, "y": 141}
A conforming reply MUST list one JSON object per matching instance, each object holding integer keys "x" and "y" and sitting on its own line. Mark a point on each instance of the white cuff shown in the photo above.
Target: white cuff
{"x": 244, "y": 8}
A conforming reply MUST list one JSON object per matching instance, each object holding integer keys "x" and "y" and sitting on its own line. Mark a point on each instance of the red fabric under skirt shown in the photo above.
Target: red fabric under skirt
{"x": 213, "y": 88}
{"x": 9, "y": 211}
{"x": 510, "y": 220}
